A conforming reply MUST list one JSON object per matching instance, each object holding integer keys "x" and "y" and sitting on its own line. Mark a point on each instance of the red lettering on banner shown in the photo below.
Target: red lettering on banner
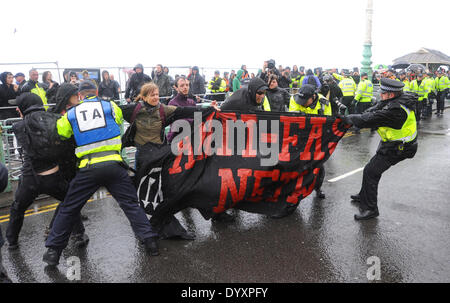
{"x": 285, "y": 178}
{"x": 287, "y": 139}
{"x": 302, "y": 190}
{"x": 184, "y": 145}
{"x": 336, "y": 131}
{"x": 228, "y": 184}
{"x": 176, "y": 168}
{"x": 201, "y": 154}
{"x": 331, "y": 147}
{"x": 257, "y": 193}
{"x": 225, "y": 149}
{"x": 250, "y": 149}
{"x": 314, "y": 135}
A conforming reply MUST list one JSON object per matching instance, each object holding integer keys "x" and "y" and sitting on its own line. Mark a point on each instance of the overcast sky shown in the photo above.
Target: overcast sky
{"x": 325, "y": 33}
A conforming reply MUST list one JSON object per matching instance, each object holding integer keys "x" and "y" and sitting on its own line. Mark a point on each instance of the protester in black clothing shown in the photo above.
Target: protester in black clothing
{"x": 135, "y": 82}
{"x": 39, "y": 176}
{"x": 248, "y": 98}
{"x": 196, "y": 82}
{"x": 278, "y": 97}
{"x": 285, "y": 80}
{"x": 20, "y": 80}
{"x": 8, "y": 91}
{"x": 332, "y": 92}
{"x": 108, "y": 89}
{"x": 50, "y": 86}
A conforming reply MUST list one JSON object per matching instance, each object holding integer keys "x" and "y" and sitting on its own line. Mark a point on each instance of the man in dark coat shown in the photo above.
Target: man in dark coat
{"x": 8, "y": 91}
{"x": 196, "y": 82}
{"x": 163, "y": 82}
{"x": 108, "y": 88}
{"x": 135, "y": 82}
{"x": 248, "y": 98}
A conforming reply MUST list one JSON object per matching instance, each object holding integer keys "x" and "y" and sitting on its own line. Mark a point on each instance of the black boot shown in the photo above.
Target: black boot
{"x": 151, "y": 246}
{"x": 367, "y": 214}
{"x": 13, "y": 246}
{"x": 51, "y": 256}
{"x": 320, "y": 194}
{"x": 223, "y": 217}
{"x": 356, "y": 198}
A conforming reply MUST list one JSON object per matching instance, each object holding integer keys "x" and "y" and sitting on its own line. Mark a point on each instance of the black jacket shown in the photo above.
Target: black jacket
{"x": 284, "y": 82}
{"x": 278, "y": 99}
{"x": 7, "y": 92}
{"x": 244, "y": 99}
{"x": 135, "y": 83}
{"x": 108, "y": 89}
{"x": 196, "y": 83}
{"x": 51, "y": 92}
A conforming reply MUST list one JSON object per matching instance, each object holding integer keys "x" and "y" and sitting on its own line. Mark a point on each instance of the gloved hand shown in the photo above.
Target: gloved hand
{"x": 344, "y": 119}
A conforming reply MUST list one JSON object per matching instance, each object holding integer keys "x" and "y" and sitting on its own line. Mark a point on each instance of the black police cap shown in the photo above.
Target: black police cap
{"x": 87, "y": 85}
{"x": 304, "y": 93}
{"x": 389, "y": 85}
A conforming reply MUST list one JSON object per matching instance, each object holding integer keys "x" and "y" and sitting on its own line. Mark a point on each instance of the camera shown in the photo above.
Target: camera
{"x": 271, "y": 64}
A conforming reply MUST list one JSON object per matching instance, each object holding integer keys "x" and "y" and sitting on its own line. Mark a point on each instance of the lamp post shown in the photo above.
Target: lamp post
{"x": 367, "y": 50}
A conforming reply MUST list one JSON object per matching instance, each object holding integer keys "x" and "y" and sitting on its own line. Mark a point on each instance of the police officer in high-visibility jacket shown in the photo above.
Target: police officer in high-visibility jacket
{"x": 348, "y": 88}
{"x": 308, "y": 101}
{"x": 95, "y": 124}
{"x": 363, "y": 96}
{"x": 217, "y": 85}
{"x": 442, "y": 87}
{"x": 395, "y": 120}
{"x": 421, "y": 88}
{"x": 404, "y": 80}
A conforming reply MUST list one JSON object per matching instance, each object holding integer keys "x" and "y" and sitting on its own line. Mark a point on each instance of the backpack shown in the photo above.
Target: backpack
{"x": 42, "y": 134}
{"x": 312, "y": 81}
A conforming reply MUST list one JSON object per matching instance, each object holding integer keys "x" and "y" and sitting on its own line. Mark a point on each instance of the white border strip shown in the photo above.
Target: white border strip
{"x": 346, "y": 175}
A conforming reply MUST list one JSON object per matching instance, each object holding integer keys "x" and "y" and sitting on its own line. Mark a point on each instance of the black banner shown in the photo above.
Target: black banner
{"x": 214, "y": 174}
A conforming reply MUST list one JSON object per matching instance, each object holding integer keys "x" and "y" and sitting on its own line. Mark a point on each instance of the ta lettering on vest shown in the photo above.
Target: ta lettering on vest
{"x": 90, "y": 116}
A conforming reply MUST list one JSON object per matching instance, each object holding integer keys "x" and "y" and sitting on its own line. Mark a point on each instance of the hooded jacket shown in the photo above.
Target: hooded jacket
{"x": 135, "y": 82}
{"x": 7, "y": 92}
{"x": 196, "y": 83}
{"x": 237, "y": 80}
{"x": 108, "y": 88}
{"x": 245, "y": 98}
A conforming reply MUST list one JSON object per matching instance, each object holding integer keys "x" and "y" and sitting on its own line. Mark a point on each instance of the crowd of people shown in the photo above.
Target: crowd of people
{"x": 89, "y": 122}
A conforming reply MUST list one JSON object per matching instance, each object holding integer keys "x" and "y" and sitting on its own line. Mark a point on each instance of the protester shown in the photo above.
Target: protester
{"x": 247, "y": 98}
{"x": 217, "y": 85}
{"x": 8, "y": 91}
{"x": 50, "y": 86}
{"x": 163, "y": 82}
{"x": 135, "y": 82}
{"x": 40, "y": 174}
{"x": 3, "y": 183}
{"x": 196, "y": 82}
{"x": 20, "y": 80}
{"x": 108, "y": 89}
{"x": 276, "y": 99}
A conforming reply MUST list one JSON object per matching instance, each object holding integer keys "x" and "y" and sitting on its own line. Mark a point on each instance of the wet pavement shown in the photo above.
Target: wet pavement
{"x": 320, "y": 242}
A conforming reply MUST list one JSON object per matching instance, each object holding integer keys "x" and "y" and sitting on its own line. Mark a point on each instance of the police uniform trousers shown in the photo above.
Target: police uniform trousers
{"x": 87, "y": 181}
{"x": 440, "y": 101}
{"x": 420, "y": 108}
{"x": 347, "y": 101}
{"x": 373, "y": 170}
{"x": 28, "y": 189}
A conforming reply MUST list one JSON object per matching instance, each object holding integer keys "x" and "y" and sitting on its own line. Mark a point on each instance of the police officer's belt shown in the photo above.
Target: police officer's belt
{"x": 100, "y": 154}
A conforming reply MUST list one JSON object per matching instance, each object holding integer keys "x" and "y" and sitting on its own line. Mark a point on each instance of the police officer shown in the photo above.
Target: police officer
{"x": 363, "y": 97}
{"x": 442, "y": 87}
{"x": 217, "y": 85}
{"x": 420, "y": 87}
{"x": 308, "y": 101}
{"x": 396, "y": 122}
{"x": 348, "y": 87}
{"x": 95, "y": 124}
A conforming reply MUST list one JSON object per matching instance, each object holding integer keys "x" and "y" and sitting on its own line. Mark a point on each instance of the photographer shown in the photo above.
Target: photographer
{"x": 268, "y": 69}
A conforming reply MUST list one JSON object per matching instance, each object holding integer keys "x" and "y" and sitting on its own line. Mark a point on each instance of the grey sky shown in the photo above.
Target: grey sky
{"x": 229, "y": 33}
